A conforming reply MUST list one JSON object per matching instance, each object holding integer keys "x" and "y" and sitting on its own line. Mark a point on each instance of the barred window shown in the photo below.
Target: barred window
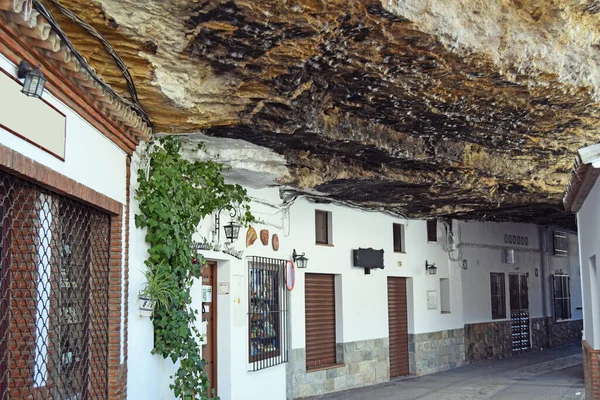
{"x": 562, "y": 296}
{"x": 561, "y": 245}
{"x": 267, "y": 313}
{"x": 498, "y": 290}
{"x": 54, "y": 254}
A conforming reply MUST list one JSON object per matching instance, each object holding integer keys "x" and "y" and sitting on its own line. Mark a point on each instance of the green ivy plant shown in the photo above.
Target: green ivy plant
{"x": 174, "y": 195}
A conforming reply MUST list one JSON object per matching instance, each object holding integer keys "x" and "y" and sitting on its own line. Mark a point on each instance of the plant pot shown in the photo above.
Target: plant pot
{"x": 146, "y": 306}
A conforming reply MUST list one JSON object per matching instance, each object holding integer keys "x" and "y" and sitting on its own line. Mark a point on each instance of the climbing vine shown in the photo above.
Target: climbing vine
{"x": 174, "y": 195}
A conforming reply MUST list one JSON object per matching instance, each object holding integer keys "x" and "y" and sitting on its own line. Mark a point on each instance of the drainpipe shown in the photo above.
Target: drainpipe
{"x": 543, "y": 231}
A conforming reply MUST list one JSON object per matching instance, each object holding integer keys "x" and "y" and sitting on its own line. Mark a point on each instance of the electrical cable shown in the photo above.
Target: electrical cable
{"x": 134, "y": 101}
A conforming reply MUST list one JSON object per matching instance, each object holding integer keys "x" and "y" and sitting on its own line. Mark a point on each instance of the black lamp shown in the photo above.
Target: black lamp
{"x": 34, "y": 80}
{"x": 431, "y": 268}
{"x": 232, "y": 230}
{"x": 300, "y": 260}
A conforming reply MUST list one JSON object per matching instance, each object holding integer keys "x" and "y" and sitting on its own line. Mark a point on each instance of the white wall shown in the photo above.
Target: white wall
{"x": 482, "y": 245}
{"x": 588, "y": 219}
{"x": 90, "y": 158}
{"x": 363, "y": 299}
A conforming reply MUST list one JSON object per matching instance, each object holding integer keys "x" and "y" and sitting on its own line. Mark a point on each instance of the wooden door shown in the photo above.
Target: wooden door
{"x": 319, "y": 294}
{"x": 519, "y": 312}
{"x": 209, "y": 315}
{"x": 398, "y": 325}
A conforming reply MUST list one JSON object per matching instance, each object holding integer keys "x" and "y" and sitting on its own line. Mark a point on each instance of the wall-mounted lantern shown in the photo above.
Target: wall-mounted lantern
{"x": 299, "y": 259}
{"x": 232, "y": 230}
{"x": 430, "y": 268}
{"x": 34, "y": 80}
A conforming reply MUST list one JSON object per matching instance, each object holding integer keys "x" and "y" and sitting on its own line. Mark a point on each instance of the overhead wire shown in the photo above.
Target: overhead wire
{"x": 134, "y": 101}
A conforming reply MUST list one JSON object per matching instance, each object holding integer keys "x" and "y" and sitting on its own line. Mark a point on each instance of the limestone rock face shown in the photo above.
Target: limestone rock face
{"x": 469, "y": 108}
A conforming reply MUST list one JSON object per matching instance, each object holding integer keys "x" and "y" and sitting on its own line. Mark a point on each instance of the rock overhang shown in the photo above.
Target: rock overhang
{"x": 455, "y": 108}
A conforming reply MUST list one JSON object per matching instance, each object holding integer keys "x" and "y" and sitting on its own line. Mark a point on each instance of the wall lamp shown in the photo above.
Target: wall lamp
{"x": 431, "y": 268}
{"x": 300, "y": 260}
{"x": 232, "y": 230}
{"x": 34, "y": 80}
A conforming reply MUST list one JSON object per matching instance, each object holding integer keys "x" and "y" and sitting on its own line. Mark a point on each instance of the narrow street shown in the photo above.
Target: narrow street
{"x": 550, "y": 375}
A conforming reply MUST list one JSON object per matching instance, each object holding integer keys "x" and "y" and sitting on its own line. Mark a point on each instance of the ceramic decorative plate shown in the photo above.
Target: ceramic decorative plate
{"x": 251, "y": 236}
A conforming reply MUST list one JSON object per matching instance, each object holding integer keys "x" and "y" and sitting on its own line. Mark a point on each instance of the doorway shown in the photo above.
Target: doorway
{"x": 398, "y": 327}
{"x": 209, "y": 318}
{"x": 519, "y": 312}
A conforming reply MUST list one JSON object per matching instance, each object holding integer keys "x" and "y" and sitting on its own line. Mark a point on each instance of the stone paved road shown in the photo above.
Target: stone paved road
{"x": 555, "y": 374}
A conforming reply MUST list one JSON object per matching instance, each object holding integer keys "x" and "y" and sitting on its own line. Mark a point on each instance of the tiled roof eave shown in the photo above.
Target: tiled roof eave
{"x": 39, "y": 34}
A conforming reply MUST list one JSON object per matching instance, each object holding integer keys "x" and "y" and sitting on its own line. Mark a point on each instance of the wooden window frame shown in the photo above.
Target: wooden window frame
{"x": 326, "y": 218}
{"x": 432, "y": 231}
{"x": 562, "y": 296}
{"x": 399, "y": 234}
{"x": 498, "y": 299}
{"x": 561, "y": 243}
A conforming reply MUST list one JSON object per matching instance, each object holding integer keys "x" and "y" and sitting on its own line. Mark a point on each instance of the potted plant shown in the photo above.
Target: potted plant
{"x": 156, "y": 290}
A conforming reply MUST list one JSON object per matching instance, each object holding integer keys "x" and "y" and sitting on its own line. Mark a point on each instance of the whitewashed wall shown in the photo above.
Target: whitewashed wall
{"x": 588, "y": 219}
{"x": 482, "y": 246}
{"x": 362, "y": 299}
{"x": 90, "y": 158}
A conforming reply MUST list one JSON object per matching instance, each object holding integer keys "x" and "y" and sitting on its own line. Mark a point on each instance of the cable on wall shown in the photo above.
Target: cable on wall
{"x": 134, "y": 101}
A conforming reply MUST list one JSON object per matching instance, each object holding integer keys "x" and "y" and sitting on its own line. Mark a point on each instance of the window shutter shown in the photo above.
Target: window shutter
{"x": 432, "y": 230}
{"x": 320, "y": 320}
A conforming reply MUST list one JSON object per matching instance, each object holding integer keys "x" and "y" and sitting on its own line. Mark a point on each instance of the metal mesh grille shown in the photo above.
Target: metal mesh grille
{"x": 267, "y": 315}
{"x": 54, "y": 255}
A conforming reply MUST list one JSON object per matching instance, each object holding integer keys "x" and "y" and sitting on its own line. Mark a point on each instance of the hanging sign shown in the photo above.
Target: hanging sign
{"x": 290, "y": 275}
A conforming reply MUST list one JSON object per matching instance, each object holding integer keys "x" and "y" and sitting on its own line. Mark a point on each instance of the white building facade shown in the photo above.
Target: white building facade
{"x": 344, "y": 326}
{"x": 583, "y": 198}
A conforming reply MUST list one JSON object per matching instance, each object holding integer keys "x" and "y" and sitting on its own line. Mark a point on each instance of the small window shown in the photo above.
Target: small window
{"x": 399, "y": 238}
{"x": 267, "y": 312}
{"x": 562, "y": 297}
{"x": 445, "y": 295}
{"x": 323, "y": 227}
{"x": 432, "y": 230}
{"x": 560, "y": 244}
{"x": 498, "y": 290}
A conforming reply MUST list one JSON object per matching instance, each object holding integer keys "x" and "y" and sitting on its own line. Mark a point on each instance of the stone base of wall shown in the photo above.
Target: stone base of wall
{"x": 546, "y": 333}
{"x": 564, "y": 333}
{"x": 591, "y": 371}
{"x": 362, "y": 363}
{"x": 436, "y": 351}
{"x": 488, "y": 341}
{"x": 539, "y": 334}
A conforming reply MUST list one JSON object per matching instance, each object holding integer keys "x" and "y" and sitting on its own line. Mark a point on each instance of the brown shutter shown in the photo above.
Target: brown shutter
{"x": 432, "y": 230}
{"x": 320, "y": 320}
{"x": 398, "y": 325}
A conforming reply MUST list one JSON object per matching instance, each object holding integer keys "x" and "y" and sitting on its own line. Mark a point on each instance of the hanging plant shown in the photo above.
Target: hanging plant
{"x": 174, "y": 195}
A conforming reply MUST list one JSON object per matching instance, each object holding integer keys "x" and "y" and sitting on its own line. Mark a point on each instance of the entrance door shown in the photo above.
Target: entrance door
{"x": 519, "y": 312}
{"x": 398, "y": 325}
{"x": 209, "y": 317}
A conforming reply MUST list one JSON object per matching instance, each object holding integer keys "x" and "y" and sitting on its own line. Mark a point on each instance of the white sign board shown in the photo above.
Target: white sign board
{"x": 32, "y": 119}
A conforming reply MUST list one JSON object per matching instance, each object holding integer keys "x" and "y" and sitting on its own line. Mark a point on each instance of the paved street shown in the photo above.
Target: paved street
{"x": 551, "y": 374}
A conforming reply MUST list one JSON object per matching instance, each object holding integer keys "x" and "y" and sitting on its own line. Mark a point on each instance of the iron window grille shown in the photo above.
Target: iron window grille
{"x": 498, "y": 295}
{"x": 561, "y": 290}
{"x": 561, "y": 244}
{"x": 267, "y": 314}
{"x": 54, "y": 256}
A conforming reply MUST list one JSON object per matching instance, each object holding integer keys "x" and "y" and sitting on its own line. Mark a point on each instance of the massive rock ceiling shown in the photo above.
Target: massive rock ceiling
{"x": 469, "y": 108}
